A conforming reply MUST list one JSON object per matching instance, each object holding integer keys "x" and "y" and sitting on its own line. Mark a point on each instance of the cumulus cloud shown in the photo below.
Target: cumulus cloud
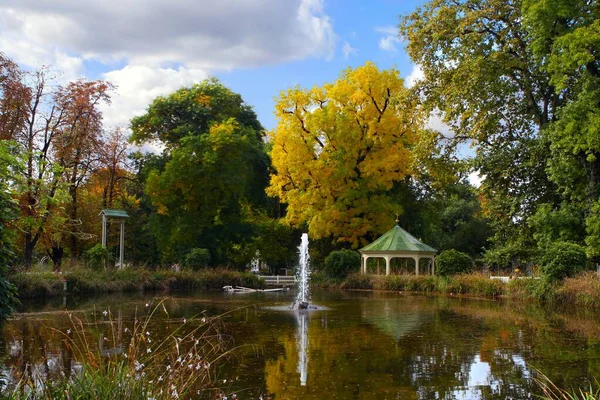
{"x": 416, "y": 74}
{"x": 138, "y": 85}
{"x": 348, "y": 50}
{"x": 162, "y": 44}
{"x": 199, "y": 34}
{"x": 390, "y": 38}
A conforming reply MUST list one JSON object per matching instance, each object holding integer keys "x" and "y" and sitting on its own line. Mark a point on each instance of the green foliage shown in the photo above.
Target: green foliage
{"x": 563, "y": 259}
{"x": 483, "y": 80}
{"x": 191, "y": 112}
{"x": 98, "y": 256}
{"x": 452, "y": 262}
{"x": 340, "y": 263}
{"x": 7, "y": 214}
{"x": 197, "y": 258}
{"x": 211, "y": 175}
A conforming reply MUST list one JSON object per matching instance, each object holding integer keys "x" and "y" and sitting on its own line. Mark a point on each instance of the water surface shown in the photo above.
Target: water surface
{"x": 358, "y": 346}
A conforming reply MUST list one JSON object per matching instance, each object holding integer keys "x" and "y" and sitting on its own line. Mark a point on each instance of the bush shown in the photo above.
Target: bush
{"x": 97, "y": 257}
{"x": 339, "y": 264}
{"x": 196, "y": 259}
{"x": 562, "y": 260}
{"x": 452, "y": 262}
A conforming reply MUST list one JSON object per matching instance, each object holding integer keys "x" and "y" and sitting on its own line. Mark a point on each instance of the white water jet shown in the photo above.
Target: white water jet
{"x": 303, "y": 275}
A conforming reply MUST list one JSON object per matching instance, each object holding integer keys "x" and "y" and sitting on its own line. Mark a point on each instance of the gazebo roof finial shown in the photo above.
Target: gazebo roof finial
{"x": 397, "y": 219}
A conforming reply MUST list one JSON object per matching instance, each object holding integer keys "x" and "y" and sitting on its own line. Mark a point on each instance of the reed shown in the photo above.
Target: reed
{"x": 131, "y": 363}
{"x": 85, "y": 280}
{"x": 552, "y": 392}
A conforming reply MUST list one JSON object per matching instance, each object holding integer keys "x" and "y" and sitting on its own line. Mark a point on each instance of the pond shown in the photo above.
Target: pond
{"x": 360, "y": 345}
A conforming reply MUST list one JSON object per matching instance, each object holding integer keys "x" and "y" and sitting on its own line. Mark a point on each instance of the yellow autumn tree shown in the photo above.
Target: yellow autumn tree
{"x": 338, "y": 150}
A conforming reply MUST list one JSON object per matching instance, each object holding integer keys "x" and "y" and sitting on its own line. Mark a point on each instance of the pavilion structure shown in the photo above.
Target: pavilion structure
{"x": 397, "y": 243}
{"x": 118, "y": 216}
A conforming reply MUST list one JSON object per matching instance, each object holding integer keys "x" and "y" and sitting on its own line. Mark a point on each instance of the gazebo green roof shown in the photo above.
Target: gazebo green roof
{"x": 398, "y": 240}
{"x": 114, "y": 213}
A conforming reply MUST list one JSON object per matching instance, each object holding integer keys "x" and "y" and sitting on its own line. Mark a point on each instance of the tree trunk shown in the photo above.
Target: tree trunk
{"x": 28, "y": 253}
{"x": 56, "y": 254}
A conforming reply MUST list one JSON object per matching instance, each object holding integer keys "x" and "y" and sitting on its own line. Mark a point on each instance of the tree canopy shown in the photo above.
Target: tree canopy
{"x": 518, "y": 79}
{"x": 338, "y": 150}
{"x": 213, "y": 168}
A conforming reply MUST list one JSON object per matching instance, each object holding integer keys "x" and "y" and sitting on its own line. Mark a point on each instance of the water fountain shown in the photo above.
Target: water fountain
{"x": 303, "y": 277}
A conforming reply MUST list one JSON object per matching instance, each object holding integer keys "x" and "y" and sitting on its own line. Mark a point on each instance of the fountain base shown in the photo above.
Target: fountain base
{"x": 303, "y": 305}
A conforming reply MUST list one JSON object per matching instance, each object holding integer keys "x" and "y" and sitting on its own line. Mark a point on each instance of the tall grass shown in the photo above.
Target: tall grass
{"x": 472, "y": 284}
{"x": 553, "y": 392}
{"x": 131, "y": 363}
{"x": 580, "y": 291}
{"x": 85, "y": 280}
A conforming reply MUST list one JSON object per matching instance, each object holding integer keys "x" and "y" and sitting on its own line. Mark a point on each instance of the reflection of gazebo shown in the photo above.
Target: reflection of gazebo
{"x": 397, "y": 243}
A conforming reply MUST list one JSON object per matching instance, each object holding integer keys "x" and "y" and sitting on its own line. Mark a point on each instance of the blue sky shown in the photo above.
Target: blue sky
{"x": 359, "y": 24}
{"x": 152, "y": 47}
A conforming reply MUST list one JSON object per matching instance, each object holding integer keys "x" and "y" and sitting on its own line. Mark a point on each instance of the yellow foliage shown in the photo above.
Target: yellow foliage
{"x": 339, "y": 148}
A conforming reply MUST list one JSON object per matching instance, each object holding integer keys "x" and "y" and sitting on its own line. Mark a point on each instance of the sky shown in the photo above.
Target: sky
{"x": 257, "y": 48}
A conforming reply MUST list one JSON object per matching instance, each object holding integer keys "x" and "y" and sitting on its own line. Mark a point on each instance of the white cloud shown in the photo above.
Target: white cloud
{"x": 434, "y": 122}
{"x": 199, "y": 34}
{"x": 164, "y": 44}
{"x": 475, "y": 179}
{"x": 415, "y": 75}
{"x": 138, "y": 85}
{"x": 389, "y": 39}
{"x": 348, "y": 50}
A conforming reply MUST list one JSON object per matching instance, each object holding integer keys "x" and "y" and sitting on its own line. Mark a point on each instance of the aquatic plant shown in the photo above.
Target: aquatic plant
{"x": 553, "y": 392}
{"x": 107, "y": 358}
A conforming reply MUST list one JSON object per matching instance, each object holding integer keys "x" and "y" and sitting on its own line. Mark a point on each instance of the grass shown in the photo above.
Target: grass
{"x": 181, "y": 364}
{"x": 84, "y": 280}
{"x": 553, "y": 392}
{"x": 580, "y": 291}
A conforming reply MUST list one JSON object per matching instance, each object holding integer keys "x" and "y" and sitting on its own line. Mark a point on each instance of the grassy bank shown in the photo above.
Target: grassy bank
{"x": 82, "y": 280}
{"x": 581, "y": 291}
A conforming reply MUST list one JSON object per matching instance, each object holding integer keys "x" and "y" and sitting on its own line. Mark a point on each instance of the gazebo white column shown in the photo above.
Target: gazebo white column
{"x": 388, "y": 264}
{"x": 417, "y": 259}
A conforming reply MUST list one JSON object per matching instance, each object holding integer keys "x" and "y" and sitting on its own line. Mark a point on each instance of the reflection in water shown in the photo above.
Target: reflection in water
{"x": 360, "y": 345}
{"x": 302, "y": 345}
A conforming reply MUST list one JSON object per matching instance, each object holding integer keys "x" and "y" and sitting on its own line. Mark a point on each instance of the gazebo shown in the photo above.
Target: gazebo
{"x": 119, "y": 216}
{"x": 397, "y": 243}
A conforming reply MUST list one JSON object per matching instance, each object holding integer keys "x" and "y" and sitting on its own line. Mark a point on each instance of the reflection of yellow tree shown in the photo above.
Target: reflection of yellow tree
{"x": 338, "y": 365}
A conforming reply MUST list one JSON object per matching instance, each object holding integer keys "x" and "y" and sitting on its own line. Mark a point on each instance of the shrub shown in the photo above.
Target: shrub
{"x": 339, "y": 264}
{"x": 197, "y": 258}
{"x": 452, "y": 262}
{"x": 97, "y": 257}
{"x": 562, "y": 260}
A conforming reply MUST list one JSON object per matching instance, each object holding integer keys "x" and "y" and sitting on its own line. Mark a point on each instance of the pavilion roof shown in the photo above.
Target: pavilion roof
{"x": 398, "y": 240}
{"x": 114, "y": 213}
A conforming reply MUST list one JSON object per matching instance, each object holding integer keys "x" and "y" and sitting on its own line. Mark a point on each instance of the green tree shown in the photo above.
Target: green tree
{"x": 565, "y": 38}
{"x": 213, "y": 169}
{"x": 482, "y": 76}
{"x": 9, "y": 167}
